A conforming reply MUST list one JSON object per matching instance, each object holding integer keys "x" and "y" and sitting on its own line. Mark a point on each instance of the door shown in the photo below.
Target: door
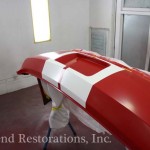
{"x": 132, "y": 32}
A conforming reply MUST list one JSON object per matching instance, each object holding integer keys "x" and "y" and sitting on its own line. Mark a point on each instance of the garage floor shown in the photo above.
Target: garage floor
{"x": 22, "y": 114}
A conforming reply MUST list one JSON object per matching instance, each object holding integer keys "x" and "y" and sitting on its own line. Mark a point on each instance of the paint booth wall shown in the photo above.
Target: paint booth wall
{"x": 102, "y": 15}
{"x": 69, "y": 30}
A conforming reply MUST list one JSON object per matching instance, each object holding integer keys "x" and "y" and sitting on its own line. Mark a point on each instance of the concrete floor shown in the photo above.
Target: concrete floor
{"x": 22, "y": 113}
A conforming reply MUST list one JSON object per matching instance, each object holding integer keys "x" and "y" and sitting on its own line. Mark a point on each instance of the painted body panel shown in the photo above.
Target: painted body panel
{"x": 115, "y": 95}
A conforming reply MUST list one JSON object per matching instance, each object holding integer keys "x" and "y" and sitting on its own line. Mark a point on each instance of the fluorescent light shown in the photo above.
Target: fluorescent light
{"x": 41, "y": 23}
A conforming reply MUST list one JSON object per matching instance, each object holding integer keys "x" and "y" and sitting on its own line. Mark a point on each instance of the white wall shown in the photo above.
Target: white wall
{"x": 70, "y": 21}
{"x": 102, "y": 15}
{"x": 69, "y": 30}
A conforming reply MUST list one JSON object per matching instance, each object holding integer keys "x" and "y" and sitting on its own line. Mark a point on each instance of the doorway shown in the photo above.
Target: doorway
{"x": 132, "y": 40}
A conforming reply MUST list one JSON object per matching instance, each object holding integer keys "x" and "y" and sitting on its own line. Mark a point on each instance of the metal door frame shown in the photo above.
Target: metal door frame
{"x": 121, "y": 11}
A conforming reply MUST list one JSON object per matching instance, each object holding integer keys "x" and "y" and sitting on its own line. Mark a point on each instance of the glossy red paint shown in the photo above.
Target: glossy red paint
{"x": 83, "y": 64}
{"x": 119, "y": 102}
{"x": 33, "y": 66}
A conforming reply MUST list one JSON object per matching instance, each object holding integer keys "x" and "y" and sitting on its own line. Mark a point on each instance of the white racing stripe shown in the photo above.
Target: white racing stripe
{"x": 73, "y": 83}
{"x": 52, "y": 71}
{"x": 55, "y": 55}
{"x": 78, "y": 86}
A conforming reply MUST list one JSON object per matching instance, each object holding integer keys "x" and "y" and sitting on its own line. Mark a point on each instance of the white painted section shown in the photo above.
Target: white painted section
{"x": 54, "y": 55}
{"x": 102, "y": 15}
{"x": 148, "y": 52}
{"x": 69, "y": 30}
{"x": 135, "y": 13}
{"x": 78, "y": 86}
{"x": 119, "y": 27}
{"x": 52, "y": 71}
{"x": 51, "y": 55}
{"x": 136, "y": 9}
